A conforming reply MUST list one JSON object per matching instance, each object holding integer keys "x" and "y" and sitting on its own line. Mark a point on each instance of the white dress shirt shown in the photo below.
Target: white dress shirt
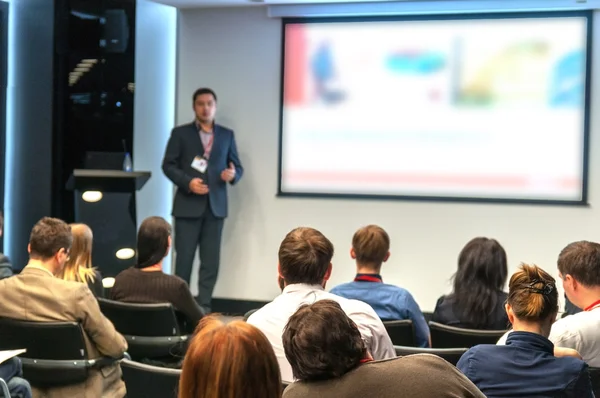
{"x": 272, "y": 318}
{"x": 579, "y": 332}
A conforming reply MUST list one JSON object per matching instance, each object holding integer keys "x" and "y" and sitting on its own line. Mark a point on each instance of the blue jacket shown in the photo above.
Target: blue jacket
{"x": 389, "y": 302}
{"x": 525, "y": 367}
{"x": 183, "y": 146}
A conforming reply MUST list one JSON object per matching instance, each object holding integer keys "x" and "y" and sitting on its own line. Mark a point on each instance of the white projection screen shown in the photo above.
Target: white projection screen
{"x": 486, "y": 107}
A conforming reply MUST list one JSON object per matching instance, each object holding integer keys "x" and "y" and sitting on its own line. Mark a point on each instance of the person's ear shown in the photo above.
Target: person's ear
{"x": 570, "y": 282}
{"x": 387, "y": 256}
{"x": 279, "y": 270}
{"x": 352, "y": 254}
{"x": 29, "y": 248}
{"x": 509, "y": 313}
{"x": 328, "y": 273}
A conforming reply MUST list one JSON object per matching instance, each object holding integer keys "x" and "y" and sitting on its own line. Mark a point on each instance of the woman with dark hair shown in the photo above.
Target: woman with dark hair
{"x": 477, "y": 299}
{"x": 233, "y": 360}
{"x": 145, "y": 282}
{"x": 528, "y": 365}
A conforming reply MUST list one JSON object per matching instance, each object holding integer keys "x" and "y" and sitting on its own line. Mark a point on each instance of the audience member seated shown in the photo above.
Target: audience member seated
{"x": 233, "y": 360}
{"x": 6, "y": 269}
{"x": 37, "y": 295}
{"x": 329, "y": 359}
{"x": 78, "y": 267}
{"x": 477, "y": 300}
{"x": 370, "y": 248}
{"x": 305, "y": 266}
{"x": 12, "y": 373}
{"x": 526, "y": 366}
{"x": 146, "y": 282}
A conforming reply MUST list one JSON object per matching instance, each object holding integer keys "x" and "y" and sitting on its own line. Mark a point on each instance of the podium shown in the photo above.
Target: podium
{"x": 105, "y": 201}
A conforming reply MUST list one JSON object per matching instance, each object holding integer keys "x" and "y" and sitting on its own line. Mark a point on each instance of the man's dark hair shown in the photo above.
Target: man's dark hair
{"x": 202, "y": 91}
{"x": 581, "y": 260}
{"x": 304, "y": 256}
{"x": 48, "y": 236}
{"x": 152, "y": 241}
{"x": 321, "y": 342}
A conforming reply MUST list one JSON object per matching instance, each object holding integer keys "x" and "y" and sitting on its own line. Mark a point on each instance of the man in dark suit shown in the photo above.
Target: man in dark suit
{"x": 201, "y": 158}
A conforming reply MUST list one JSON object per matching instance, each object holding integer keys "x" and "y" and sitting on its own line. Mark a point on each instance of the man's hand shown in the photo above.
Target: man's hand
{"x": 566, "y": 352}
{"x": 198, "y": 186}
{"x": 228, "y": 175}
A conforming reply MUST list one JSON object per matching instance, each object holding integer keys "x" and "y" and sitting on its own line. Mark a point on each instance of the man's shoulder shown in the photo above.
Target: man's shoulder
{"x": 584, "y": 322}
{"x": 351, "y": 306}
{"x": 222, "y": 129}
{"x": 182, "y": 128}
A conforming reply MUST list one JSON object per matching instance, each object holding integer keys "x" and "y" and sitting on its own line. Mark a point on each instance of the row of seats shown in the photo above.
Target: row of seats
{"x": 402, "y": 333}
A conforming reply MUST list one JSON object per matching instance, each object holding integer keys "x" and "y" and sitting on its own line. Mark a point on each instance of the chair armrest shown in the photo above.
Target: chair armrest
{"x": 102, "y": 362}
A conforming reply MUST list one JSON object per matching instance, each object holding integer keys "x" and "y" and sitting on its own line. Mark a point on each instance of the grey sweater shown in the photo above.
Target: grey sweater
{"x": 413, "y": 376}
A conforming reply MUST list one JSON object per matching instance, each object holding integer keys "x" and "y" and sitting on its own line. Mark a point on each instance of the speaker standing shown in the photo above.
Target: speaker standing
{"x": 201, "y": 159}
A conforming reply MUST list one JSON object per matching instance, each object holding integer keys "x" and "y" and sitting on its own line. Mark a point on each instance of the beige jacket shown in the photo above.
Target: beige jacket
{"x": 35, "y": 295}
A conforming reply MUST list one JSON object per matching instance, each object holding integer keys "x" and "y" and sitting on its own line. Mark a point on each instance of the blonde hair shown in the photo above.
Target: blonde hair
{"x": 78, "y": 267}
{"x": 532, "y": 293}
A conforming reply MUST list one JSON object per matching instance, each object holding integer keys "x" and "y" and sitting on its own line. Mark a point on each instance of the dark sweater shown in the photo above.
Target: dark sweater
{"x": 413, "y": 376}
{"x": 136, "y": 286}
{"x": 447, "y": 312}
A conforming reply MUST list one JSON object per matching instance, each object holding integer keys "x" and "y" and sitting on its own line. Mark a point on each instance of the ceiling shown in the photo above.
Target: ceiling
{"x": 239, "y": 3}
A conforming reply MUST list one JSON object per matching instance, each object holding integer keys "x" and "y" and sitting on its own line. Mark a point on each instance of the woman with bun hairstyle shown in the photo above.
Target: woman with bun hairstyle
{"x": 527, "y": 366}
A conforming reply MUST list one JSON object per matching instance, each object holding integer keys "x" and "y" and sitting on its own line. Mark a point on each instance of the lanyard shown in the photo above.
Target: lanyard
{"x": 592, "y": 306}
{"x": 208, "y": 145}
{"x": 368, "y": 278}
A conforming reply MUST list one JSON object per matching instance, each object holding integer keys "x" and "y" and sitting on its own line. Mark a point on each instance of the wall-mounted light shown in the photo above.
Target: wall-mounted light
{"x": 108, "y": 283}
{"x": 125, "y": 253}
{"x": 91, "y": 196}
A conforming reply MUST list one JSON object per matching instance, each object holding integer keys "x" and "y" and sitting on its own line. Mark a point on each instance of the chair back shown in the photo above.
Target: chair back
{"x": 56, "y": 352}
{"x": 451, "y": 355}
{"x": 143, "y": 380}
{"x": 401, "y": 332}
{"x": 444, "y": 336}
{"x": 595, "y": 378}
{"x": 151, "y": 330}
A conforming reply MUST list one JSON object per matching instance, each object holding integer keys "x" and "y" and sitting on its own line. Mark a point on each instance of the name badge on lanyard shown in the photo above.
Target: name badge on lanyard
{"x": 200, "y": 163}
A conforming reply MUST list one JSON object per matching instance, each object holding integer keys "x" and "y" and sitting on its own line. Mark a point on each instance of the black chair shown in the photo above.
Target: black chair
{"x": 595, "y": 378}
{"x": 56, "y": 353}
{"x": 444, "y": 336}
{"x": 401, "y": 332}
{"x": 428, "y": 316}
{"x": 151, "y": 330}
{"x": 143, "y": 380}
{"x": 451, "y": 355}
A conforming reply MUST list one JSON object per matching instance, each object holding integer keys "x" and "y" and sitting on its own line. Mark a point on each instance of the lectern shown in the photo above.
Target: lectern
{"x": 105, "y": 201}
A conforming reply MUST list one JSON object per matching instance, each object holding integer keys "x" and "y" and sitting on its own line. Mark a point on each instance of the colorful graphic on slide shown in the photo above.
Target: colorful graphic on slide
{"x": 451, "y": 108}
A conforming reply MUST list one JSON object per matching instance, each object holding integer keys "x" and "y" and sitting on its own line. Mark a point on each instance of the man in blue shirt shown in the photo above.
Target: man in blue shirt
{"x": 370, "y": 249}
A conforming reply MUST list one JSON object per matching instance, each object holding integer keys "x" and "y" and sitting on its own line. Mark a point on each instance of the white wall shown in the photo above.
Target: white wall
{"x": 154, "y": 114}
{"x": 237, "y": 52}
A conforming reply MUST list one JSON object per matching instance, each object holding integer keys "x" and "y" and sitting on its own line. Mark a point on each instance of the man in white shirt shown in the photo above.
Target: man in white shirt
{"x": 579, "y": 269}
{"x": 305, "y": 267}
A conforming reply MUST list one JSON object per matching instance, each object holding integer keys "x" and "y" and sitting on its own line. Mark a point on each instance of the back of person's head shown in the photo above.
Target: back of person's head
{"x": 233, "y": 360}
{"x": 79, "y": 265}
{"x": 482, "y": 272}
{"x": 581, "y": 260}
{"x": 305, "y": 256}
{"x": 321, "y": 342}
{"x": 371, "y": 246}
{"x": 532, "y": 295}
{"x": 153, "y": 241}
{"x": 49, "y": 236}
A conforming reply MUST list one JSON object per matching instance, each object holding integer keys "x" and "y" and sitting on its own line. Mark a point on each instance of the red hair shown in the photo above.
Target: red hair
{"x": 232, "y": 360}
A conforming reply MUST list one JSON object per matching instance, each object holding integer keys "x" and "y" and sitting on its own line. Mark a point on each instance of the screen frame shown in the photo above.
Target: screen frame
{"x": 587, "y": 14}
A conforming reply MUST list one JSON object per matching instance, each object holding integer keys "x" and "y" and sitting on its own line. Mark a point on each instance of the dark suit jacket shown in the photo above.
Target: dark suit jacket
{"x": 184, "y": 145}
